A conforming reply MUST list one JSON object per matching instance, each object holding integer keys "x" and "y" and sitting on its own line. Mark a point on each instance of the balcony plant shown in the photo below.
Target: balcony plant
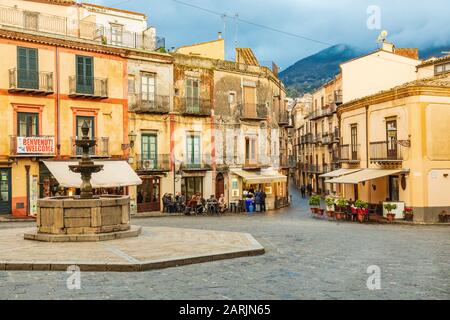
{"x": 330, "y": 202}
{"x": 443, "y": 216}
{"x": 408, "y": 214}
{"x": 361, "y": 209}
{"x": 389, "y": 207}
{"x": 341, "y": 207}
{"x": 314, "y": 202}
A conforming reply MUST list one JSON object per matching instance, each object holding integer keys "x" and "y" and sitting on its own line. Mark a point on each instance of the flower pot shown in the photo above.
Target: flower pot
{"x": 313, "y": 210}
{"x": 320, "y": 212}
{"x": 409, "y": 216}
{"x": 361, "y": 217}
{"x": 330, "y": 214}
{"x": 391, "y": 217}
{"x": 339, "y": 215}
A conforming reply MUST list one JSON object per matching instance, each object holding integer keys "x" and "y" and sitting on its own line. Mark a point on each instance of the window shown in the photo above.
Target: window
{"x": 79, "y": 122}
{"x": 27, "y": 68}
{"x": 191, "y": 186}
{"x": 391, "y": 138}
{"x": 116, "y": 34}
{"x": 27, "y": 124}
{"x": 149, "y": 149}
{"x": 148, "y": 87}
{"x": 131, "y": 84}
{"x": 31, "y": 20}
{"x": 193, "y": 151}
{"x": 321, "y": 102}
{"x": 85, "y": 75}
{"x": 192, "y": 95}
{"x": 441, "y": 68}
{"x": 249, "y": 102}
{"x": 354, "y": 142}
{"x": 250, "y": 150}
{"x": 231, "y": 97}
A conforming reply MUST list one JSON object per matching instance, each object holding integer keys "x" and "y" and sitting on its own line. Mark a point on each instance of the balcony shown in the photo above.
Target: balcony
{"x": 101, "y": 149}
{"x": 36, "y": 146}
{"x": 287, "y": 162}
{"x": 283, "y": 118}
{"x": 200, "y": 163}
{"x": 160, "y": 163}
{"x": 261, "y": 161}
{"x": 30, "y": 81}
{"x": 35, "y": 22}
{"x": 317, "y": 138}
{"x": 88, "y": 87}
{"x": 253, "y": 111}
{"x": 350, "y": 153}
{"x": 196, "y": 107}
{"x": 384, "y": 152}
{"x": 156, "y": 104}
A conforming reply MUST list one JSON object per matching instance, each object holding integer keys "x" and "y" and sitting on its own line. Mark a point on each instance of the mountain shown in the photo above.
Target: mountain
{"x": 310, "y": 73}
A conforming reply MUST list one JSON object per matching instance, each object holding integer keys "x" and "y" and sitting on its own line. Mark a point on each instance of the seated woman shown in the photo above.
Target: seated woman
{"x": 222, "y": 205}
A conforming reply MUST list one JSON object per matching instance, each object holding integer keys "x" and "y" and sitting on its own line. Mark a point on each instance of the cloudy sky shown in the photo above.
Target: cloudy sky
{"x": 410, "y": 23}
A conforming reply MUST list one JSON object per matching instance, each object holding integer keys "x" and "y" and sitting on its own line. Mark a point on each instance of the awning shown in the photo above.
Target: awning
{"x": 338, "y": 173}
{"x": 363, "y": 175}
{"x": 114, "y": 174}
{"x": 263, "y": 176}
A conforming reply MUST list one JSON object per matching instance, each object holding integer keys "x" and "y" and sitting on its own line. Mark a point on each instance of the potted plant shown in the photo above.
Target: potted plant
{"x": 341, "y": 205}
{"x": 330, "y": 206}
{"x": 314, "y": 202}
{"x": 362, "y": 209}
{"x": 443, "y": 217}
{"x": 408, "y": 214}
{"x": 389, "y": 207}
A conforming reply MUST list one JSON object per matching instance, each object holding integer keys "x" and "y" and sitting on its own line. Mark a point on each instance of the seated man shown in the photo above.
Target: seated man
{"x": 168, "y": 204}
{"x": 221, "y": 204}
{"x": 212, "y": 204}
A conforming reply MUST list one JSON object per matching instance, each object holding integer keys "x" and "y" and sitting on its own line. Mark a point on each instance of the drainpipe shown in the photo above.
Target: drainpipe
{"x": 27, "y": 169}
{"x": 367, "y": 152}
{"x": 58, "y": 122}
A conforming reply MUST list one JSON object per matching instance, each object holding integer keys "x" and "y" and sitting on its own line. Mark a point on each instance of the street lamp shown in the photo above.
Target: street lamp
{"x": 132, "y": 138}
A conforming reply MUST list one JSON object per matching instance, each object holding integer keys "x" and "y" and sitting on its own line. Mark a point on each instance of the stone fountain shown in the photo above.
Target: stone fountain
{"x": 85, "y": 217}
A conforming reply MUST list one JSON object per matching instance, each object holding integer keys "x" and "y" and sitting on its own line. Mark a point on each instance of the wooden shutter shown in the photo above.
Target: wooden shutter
{"x": 27, "y": 68}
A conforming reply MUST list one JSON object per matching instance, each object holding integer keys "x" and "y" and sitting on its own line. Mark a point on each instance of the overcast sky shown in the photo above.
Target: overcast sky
{"x": 410, "y": 23}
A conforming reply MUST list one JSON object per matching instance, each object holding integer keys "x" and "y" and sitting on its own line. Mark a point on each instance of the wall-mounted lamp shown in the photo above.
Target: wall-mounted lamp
{"x": 374, "y": 187}
{"x": 131, "y": 138}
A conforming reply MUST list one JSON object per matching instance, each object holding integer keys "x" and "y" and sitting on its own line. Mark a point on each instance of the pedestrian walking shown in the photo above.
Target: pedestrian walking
{"x": 303, "y": 191}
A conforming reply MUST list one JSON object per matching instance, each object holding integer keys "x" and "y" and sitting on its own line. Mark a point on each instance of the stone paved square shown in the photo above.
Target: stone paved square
{"x": 306, "y": 258}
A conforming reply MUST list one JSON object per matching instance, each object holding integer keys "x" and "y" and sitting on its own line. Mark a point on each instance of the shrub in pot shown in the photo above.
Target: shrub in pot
{"x": 341, "y": 205}
{"x": 362, "y": 210}
{"x": 389, "y": 207}
{"x": 408, "y": 214}
{"x": 314, "y": 202}
{"x": 330, "y": 206}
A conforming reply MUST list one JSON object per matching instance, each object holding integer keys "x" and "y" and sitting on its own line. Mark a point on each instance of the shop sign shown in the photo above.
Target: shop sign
{"x": 35, "y": 145}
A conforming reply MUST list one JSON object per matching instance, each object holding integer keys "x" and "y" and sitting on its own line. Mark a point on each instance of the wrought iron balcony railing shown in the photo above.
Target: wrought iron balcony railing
{"x": 383, "y": 151}
{"x": 35, "y": 146}
{"x": 157, "y": 162}
{"x": 101, "y": 149}
{"x": 349, "y": 153}
{"x": 80, "y": 86}
{"x": 338, "y": 97}
{"x": 23, "y": 80}
{"x": 283, "y": 118}
{"x": 196, "y": 106}
{"x": 140, "y": 103}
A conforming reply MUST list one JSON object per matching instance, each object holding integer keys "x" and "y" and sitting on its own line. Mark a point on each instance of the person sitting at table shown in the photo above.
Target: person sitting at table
{"x": 221, "y": 203}
{"x": 212, "y": 204}
{"x": 192, "y": 205}
{"x": 168, "y": 203}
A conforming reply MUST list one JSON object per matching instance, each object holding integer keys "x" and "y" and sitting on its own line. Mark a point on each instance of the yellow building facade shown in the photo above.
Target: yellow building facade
{"x": 48, "y": 89}
{"x": 401, "y": 147}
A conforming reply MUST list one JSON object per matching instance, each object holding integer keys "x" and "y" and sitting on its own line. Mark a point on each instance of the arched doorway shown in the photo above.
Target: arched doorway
{"x": 220, "y": 185}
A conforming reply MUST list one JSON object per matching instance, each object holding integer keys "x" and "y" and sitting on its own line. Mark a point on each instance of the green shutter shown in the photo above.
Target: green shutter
{"x": 27, "y": 68}
{"x": 84, "y": 74}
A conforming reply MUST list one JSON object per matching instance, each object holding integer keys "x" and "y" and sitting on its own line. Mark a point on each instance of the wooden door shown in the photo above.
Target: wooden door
{"x": 148, "y": 195}
{"x": 220, "y": 185}
{"x": 5, "y": 190}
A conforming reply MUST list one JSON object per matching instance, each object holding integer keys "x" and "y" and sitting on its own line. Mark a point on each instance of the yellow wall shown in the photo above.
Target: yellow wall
{"x": 213, "y": 49}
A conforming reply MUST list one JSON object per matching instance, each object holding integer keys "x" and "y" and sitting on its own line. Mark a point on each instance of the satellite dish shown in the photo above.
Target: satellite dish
{"x": 382, "y": 36}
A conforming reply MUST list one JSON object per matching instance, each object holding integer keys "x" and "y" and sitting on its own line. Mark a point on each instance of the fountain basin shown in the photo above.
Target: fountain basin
{"x": 70, "y": 219}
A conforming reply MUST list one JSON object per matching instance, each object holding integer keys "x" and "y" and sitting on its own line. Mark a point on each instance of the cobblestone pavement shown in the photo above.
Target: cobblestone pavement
{"x": 306, "y": 258}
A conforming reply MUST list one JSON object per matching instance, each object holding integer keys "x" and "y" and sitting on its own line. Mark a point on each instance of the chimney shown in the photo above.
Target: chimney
{"x": 219, "y": 34}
